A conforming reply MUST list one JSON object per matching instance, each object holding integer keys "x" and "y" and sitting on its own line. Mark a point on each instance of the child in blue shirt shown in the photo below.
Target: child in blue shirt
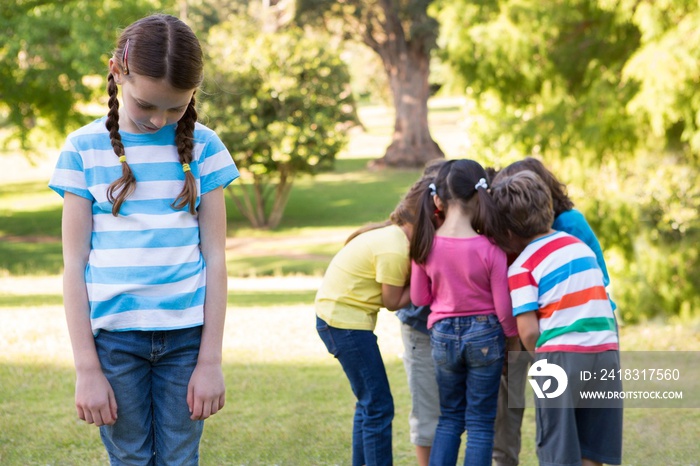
{"x": 144, "y": 233}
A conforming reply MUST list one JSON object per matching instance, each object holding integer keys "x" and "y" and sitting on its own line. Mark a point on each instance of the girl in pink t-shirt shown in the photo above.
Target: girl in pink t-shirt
{"x": 462, "y": 275}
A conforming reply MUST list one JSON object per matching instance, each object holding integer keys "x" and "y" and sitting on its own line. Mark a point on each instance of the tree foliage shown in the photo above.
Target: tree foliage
{"x": 50, "y": 52}
{"x": 281, "y": 102}
{"x": 605, "y": 92}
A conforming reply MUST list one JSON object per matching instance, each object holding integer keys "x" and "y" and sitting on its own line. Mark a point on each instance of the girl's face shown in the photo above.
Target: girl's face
{"x": 149, "y": 104}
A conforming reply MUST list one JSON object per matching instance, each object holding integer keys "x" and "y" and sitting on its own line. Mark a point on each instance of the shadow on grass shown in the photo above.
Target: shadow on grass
{"x": 24, "y": 210}
{"x": 292, "y": 413}
{"x": 349, "y": 196}
{"x": 31, "y": 258}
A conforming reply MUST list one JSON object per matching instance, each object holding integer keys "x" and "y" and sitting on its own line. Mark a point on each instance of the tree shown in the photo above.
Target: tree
{"x": 53, "y": 60}
{"x": 549, "y": 73}
{"x": 606, "y": 93}
{"x": 403, "y": 35}
{"x": 280, "y": 102}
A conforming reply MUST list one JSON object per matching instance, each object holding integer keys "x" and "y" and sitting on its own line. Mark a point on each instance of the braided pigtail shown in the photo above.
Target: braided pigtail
{"x": 123, "y": 187}
{"x": 184, "y": 139}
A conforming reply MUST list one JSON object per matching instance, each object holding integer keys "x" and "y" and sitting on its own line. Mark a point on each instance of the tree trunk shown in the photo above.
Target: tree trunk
{"x": 412, "y": 144}
{"x": 408, "y": 67}
{"x": 254, "y": 199}
{"x": 282, "y": 191}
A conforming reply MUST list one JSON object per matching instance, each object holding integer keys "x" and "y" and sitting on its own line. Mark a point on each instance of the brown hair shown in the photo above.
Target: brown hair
{"x": 560, "y": 198}
{"x": 406, "y": 211}
{"x": 456, "y": 181}
{"x": 163, "y": 47}
{"x": 524, "y": 203}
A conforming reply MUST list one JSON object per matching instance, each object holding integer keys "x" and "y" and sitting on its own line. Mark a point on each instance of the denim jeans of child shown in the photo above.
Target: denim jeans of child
{"x": 149, "y": 373}
{"x": 468, "y": 354}
{"x": 358, "y": 354}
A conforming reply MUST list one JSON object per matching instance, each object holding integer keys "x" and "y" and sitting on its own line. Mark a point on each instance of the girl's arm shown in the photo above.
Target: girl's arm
{"x": 206, "y": 393}
{"x": 94, "y": 397}
{"x": 420, "y": 292}
{"x": 395, "y": 297}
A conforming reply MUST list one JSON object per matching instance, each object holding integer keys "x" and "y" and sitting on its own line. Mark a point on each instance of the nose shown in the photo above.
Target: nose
{"x": 158, "y": 120}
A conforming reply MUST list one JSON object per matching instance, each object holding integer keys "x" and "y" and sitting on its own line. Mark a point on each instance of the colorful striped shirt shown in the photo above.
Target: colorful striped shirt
{"x": 558, "y": 277}
{"x": 145, "y": 270}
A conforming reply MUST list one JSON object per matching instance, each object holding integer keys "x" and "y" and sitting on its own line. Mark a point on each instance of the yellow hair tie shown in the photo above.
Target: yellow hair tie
{"x": 122, "y": 158}
{"x": 185, "y": 167}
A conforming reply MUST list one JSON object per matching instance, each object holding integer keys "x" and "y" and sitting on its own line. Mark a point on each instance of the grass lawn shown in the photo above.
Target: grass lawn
{"x": 288, "y": 401}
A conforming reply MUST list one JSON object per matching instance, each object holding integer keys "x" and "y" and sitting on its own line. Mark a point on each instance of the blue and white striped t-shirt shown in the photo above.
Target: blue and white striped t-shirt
{"x": 145, "y": 270}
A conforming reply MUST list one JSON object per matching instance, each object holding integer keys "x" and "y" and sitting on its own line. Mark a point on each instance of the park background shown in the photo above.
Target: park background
{"x": 604, "y": 92}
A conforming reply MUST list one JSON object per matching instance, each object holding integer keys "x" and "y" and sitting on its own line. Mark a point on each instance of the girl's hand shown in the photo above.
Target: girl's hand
{"x": 94, "y": 398}
{"x": 206, "y": 393}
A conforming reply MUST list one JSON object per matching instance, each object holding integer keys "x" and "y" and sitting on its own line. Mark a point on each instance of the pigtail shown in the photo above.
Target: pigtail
{"x": 487, "y": 221}
{"x": 123, "y": 187}
{"x": 424, "y": 228}
{"x": 184, "y": 140}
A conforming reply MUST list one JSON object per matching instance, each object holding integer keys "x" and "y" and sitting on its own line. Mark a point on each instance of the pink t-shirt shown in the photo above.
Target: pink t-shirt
{"x": 464, "y": 277}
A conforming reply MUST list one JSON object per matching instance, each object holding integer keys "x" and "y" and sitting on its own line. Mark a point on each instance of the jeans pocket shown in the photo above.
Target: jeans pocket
{"x": 487, "y": 351}
{"x": 324, "y": 331}
{"x": 439, "y": 352}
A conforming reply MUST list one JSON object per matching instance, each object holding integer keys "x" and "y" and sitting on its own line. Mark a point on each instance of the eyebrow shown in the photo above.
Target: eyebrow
{"x": 148, "y": 104}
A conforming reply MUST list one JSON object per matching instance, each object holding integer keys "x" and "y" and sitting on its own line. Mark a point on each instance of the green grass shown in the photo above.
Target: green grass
{"x": 279, "y": 414}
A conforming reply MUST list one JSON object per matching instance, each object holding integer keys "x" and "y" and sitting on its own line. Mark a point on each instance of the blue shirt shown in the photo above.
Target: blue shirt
{"x": 145, "y": 270}
{"x": 574, "y": 223}
{"x": 415, "y": 316}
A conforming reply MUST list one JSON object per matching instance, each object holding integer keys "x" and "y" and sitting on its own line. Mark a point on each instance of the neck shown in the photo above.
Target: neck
{"x": 457, "y": 224}
{"x": 541, "y": 235}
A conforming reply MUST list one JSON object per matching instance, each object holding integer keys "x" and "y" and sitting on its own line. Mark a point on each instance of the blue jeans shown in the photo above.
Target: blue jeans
{"x": 468, "y": 354}
{"x": 358, "y": 354}
{"x": 149, "y": 373}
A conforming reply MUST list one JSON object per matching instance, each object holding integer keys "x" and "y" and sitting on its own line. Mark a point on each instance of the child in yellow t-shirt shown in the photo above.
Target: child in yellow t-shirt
{"x": 370, "y": 272}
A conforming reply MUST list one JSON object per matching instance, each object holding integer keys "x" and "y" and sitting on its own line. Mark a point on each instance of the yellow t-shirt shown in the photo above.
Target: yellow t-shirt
{"x": 351, "y": 292}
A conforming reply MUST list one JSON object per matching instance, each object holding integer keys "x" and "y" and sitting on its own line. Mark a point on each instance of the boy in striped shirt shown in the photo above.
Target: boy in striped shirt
{"x": 565, "y": 317}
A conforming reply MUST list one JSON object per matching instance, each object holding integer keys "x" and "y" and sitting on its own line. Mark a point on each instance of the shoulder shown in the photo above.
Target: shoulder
{"x": 208, "y": 144}
{"x": 569, "y": 219}
{"x": 394, "y": 234}
{"x": 542, "y": 248}
{"x": 487, "y": 249}
{"x": 385, "y": 240}
{"x": 204, "y": 134}
{"x": 575, "y": 223}
{"x": 95, "y": 130}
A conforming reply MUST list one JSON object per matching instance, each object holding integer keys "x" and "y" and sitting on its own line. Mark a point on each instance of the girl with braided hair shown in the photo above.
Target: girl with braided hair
{"x": 144, "y": 229}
